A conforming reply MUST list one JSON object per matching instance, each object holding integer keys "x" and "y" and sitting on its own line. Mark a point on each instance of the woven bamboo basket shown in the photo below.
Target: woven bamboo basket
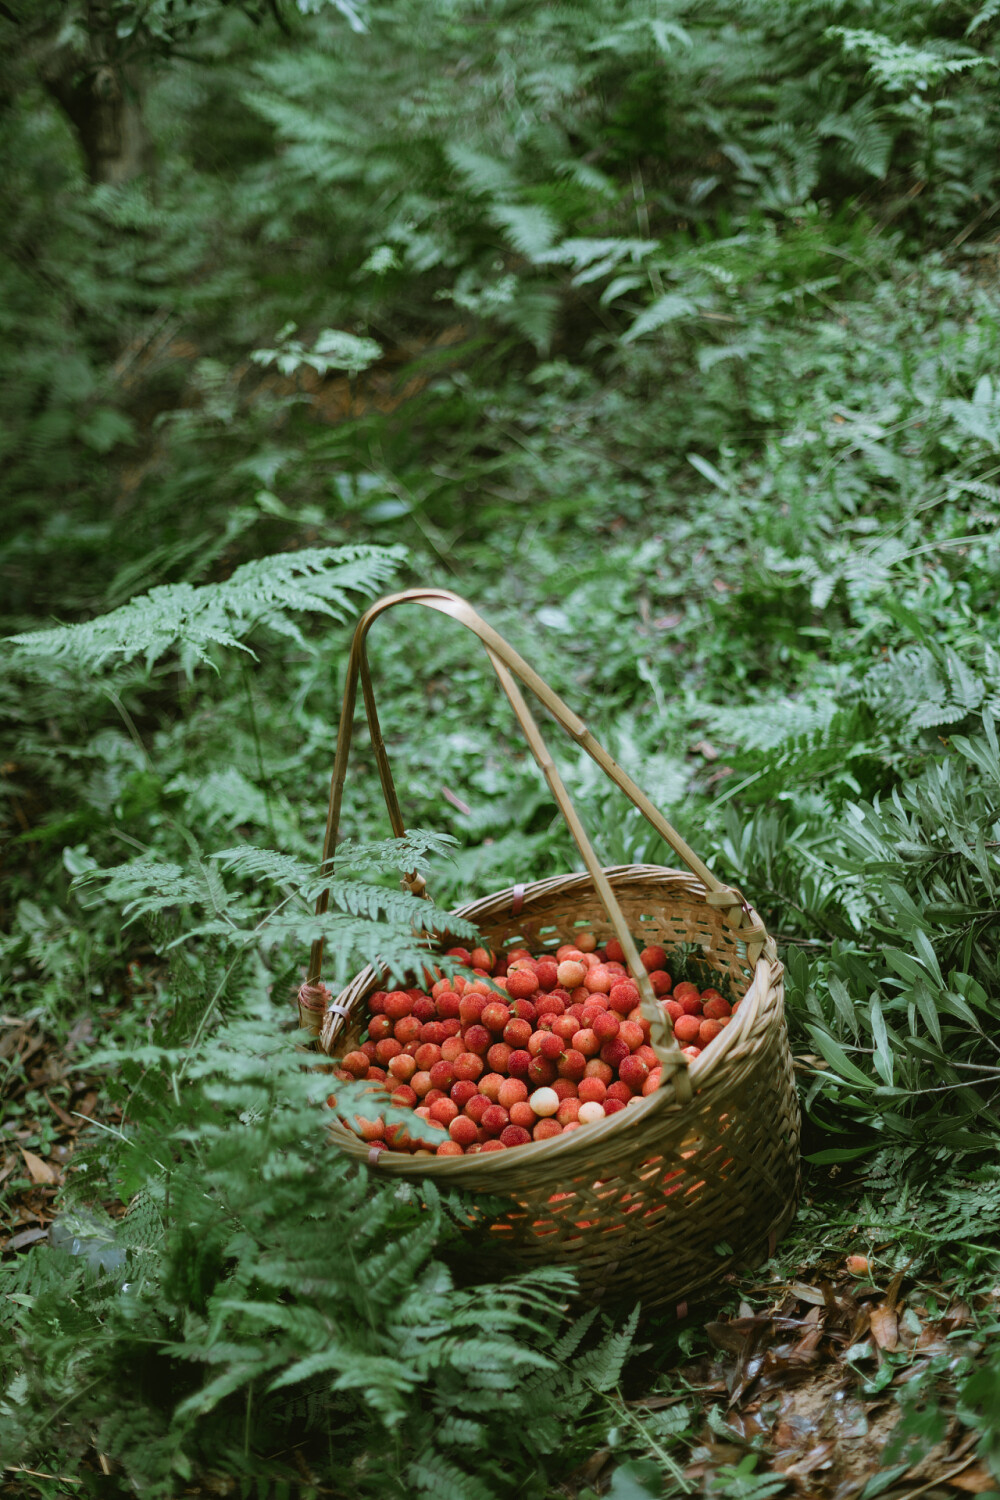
{"x": 660, "y": 1200}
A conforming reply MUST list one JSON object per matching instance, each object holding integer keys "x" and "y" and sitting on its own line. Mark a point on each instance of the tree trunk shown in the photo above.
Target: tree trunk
{"x": 103, "y": 103}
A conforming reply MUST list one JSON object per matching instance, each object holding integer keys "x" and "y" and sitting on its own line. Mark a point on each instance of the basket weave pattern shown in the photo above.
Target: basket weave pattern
{"x": 661, "y": 1199}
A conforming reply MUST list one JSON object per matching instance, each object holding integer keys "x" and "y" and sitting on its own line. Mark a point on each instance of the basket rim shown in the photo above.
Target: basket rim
{"x": 481, "y": 1171}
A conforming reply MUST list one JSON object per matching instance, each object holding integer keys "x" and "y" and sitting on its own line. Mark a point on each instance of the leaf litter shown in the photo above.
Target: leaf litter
{"x": 800, "y": 1397}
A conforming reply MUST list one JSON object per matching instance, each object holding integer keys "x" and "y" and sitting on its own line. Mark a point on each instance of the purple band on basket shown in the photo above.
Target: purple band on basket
{"x": 373, "y": 1155}
{"x": 516, "y": 899}
{"x": 336, "y": 1008}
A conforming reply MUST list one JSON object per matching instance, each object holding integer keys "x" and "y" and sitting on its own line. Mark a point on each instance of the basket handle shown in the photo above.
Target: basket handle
{"x": 508, "y": 665}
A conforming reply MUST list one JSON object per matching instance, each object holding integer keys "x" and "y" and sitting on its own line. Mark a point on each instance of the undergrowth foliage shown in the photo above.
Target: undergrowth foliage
{"x": 260, "y": 1294}
{"x": 668, "y": 333}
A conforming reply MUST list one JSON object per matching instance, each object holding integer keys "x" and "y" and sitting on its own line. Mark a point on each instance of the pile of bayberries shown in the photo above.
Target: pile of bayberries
{"x": 563, "y": 1044}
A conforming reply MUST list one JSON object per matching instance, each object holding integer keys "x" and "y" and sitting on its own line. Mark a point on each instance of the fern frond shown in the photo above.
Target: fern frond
{"x": 269, "y": 591}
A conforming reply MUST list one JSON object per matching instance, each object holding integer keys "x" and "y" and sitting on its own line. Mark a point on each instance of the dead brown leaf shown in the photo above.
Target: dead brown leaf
{"x": 26, "y": 1237}
{"x": 41, "y": 1171}
{"x": 975, "y": 1481}
{"x": 885, "y": 1327}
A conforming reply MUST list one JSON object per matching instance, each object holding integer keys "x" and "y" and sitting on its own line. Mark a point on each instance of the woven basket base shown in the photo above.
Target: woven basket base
{"x": 660, "y": 1201}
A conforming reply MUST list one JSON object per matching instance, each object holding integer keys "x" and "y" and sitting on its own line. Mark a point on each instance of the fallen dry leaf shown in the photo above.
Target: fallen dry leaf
{"x": 40, "y": 1170}
{"x": 705, "y": 748}
{"x": 885, "y": 1327}
{"x": 977, "y": 1481}
{"x": 26, "y": 1237}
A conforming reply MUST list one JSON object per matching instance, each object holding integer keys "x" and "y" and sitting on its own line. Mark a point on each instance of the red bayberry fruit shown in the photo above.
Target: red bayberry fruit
{"x": 624, "y": 995}
{"x": 599, "y": 979}
{"x": 442, "y": 1075}
{"x": 549, "y": 1005}
{"x": 571, "y": 973}
{"x": 420, "y": 1083}
{"x": 424, "y": 1009}
{"x": 708, "y": 1031}
{"x": 463, "y": 1130}
{"x": 569, "y": 1109}
{"x": 652, "y": 958}
{"x": 403, "y": 1096}
{"x": 449, "y": 1005}
{"x": 598, "y": 1068}
{"x": 614, "y": 950}
{"x": 462, "y": 1090}
{"x": 631, "y": 1034}
{"x": 605, "y": 1026}
{"x": 402, "y": 1067}
{"x": 592, "y": 1089}
{"x": 563, "y": 1088}
{"x": 550, "y": 1046}
{"x": 613, "y": 1106}
{"x": 477, "y": 1039}
{"x": 379, "y": 1027}
{"x": 495, "y": 1015}
{"x": 498, "y": 1057}
{"x": 634, "y": 1073}
{"x": 376, "y": 1002}
{"x": 541, "y": 1071}
{"x": 615, "y": 1052}
{"x": 471, "y": 1007}
{"x": 686, "y": 1028}
{"x": 514, "y": 1135}
{"x": 518, "y": 1063}
{"x": 546, "y": 1129}
{"x": 716, "y": 1009}
{"x": 564, "y": 1027}
{"x": 468, "y": 1065}
{"x": 620, "y": 1091}
{"x": 652, "y": 1082}
{"x": 517, "y": 1033}
{"x": 357, "y": 1064}
{"x": 489, "y": 1085}
{"x": 443, "y": 1111}
{"x": 521, "y": 983}
{"x": 389, "y": 1048}
{"x": 397, "y": 1005}
{"x": 586, "y": 1042}
{"x": 512, "y": 1091}
{"x": 407, "y": 1030}
{"x": 476, "y": 1107}
{"x": 547, "y": 974}
{"x": 572, "y": 1065}
{"x": 660, "y": 982}
{"x": 524, "y": 1010}
{"x": 427, "y": 1054}
{"x": 522, "y": 1114}
{"x": 481, "y": 958}
{"x": 495, "y": 1119}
